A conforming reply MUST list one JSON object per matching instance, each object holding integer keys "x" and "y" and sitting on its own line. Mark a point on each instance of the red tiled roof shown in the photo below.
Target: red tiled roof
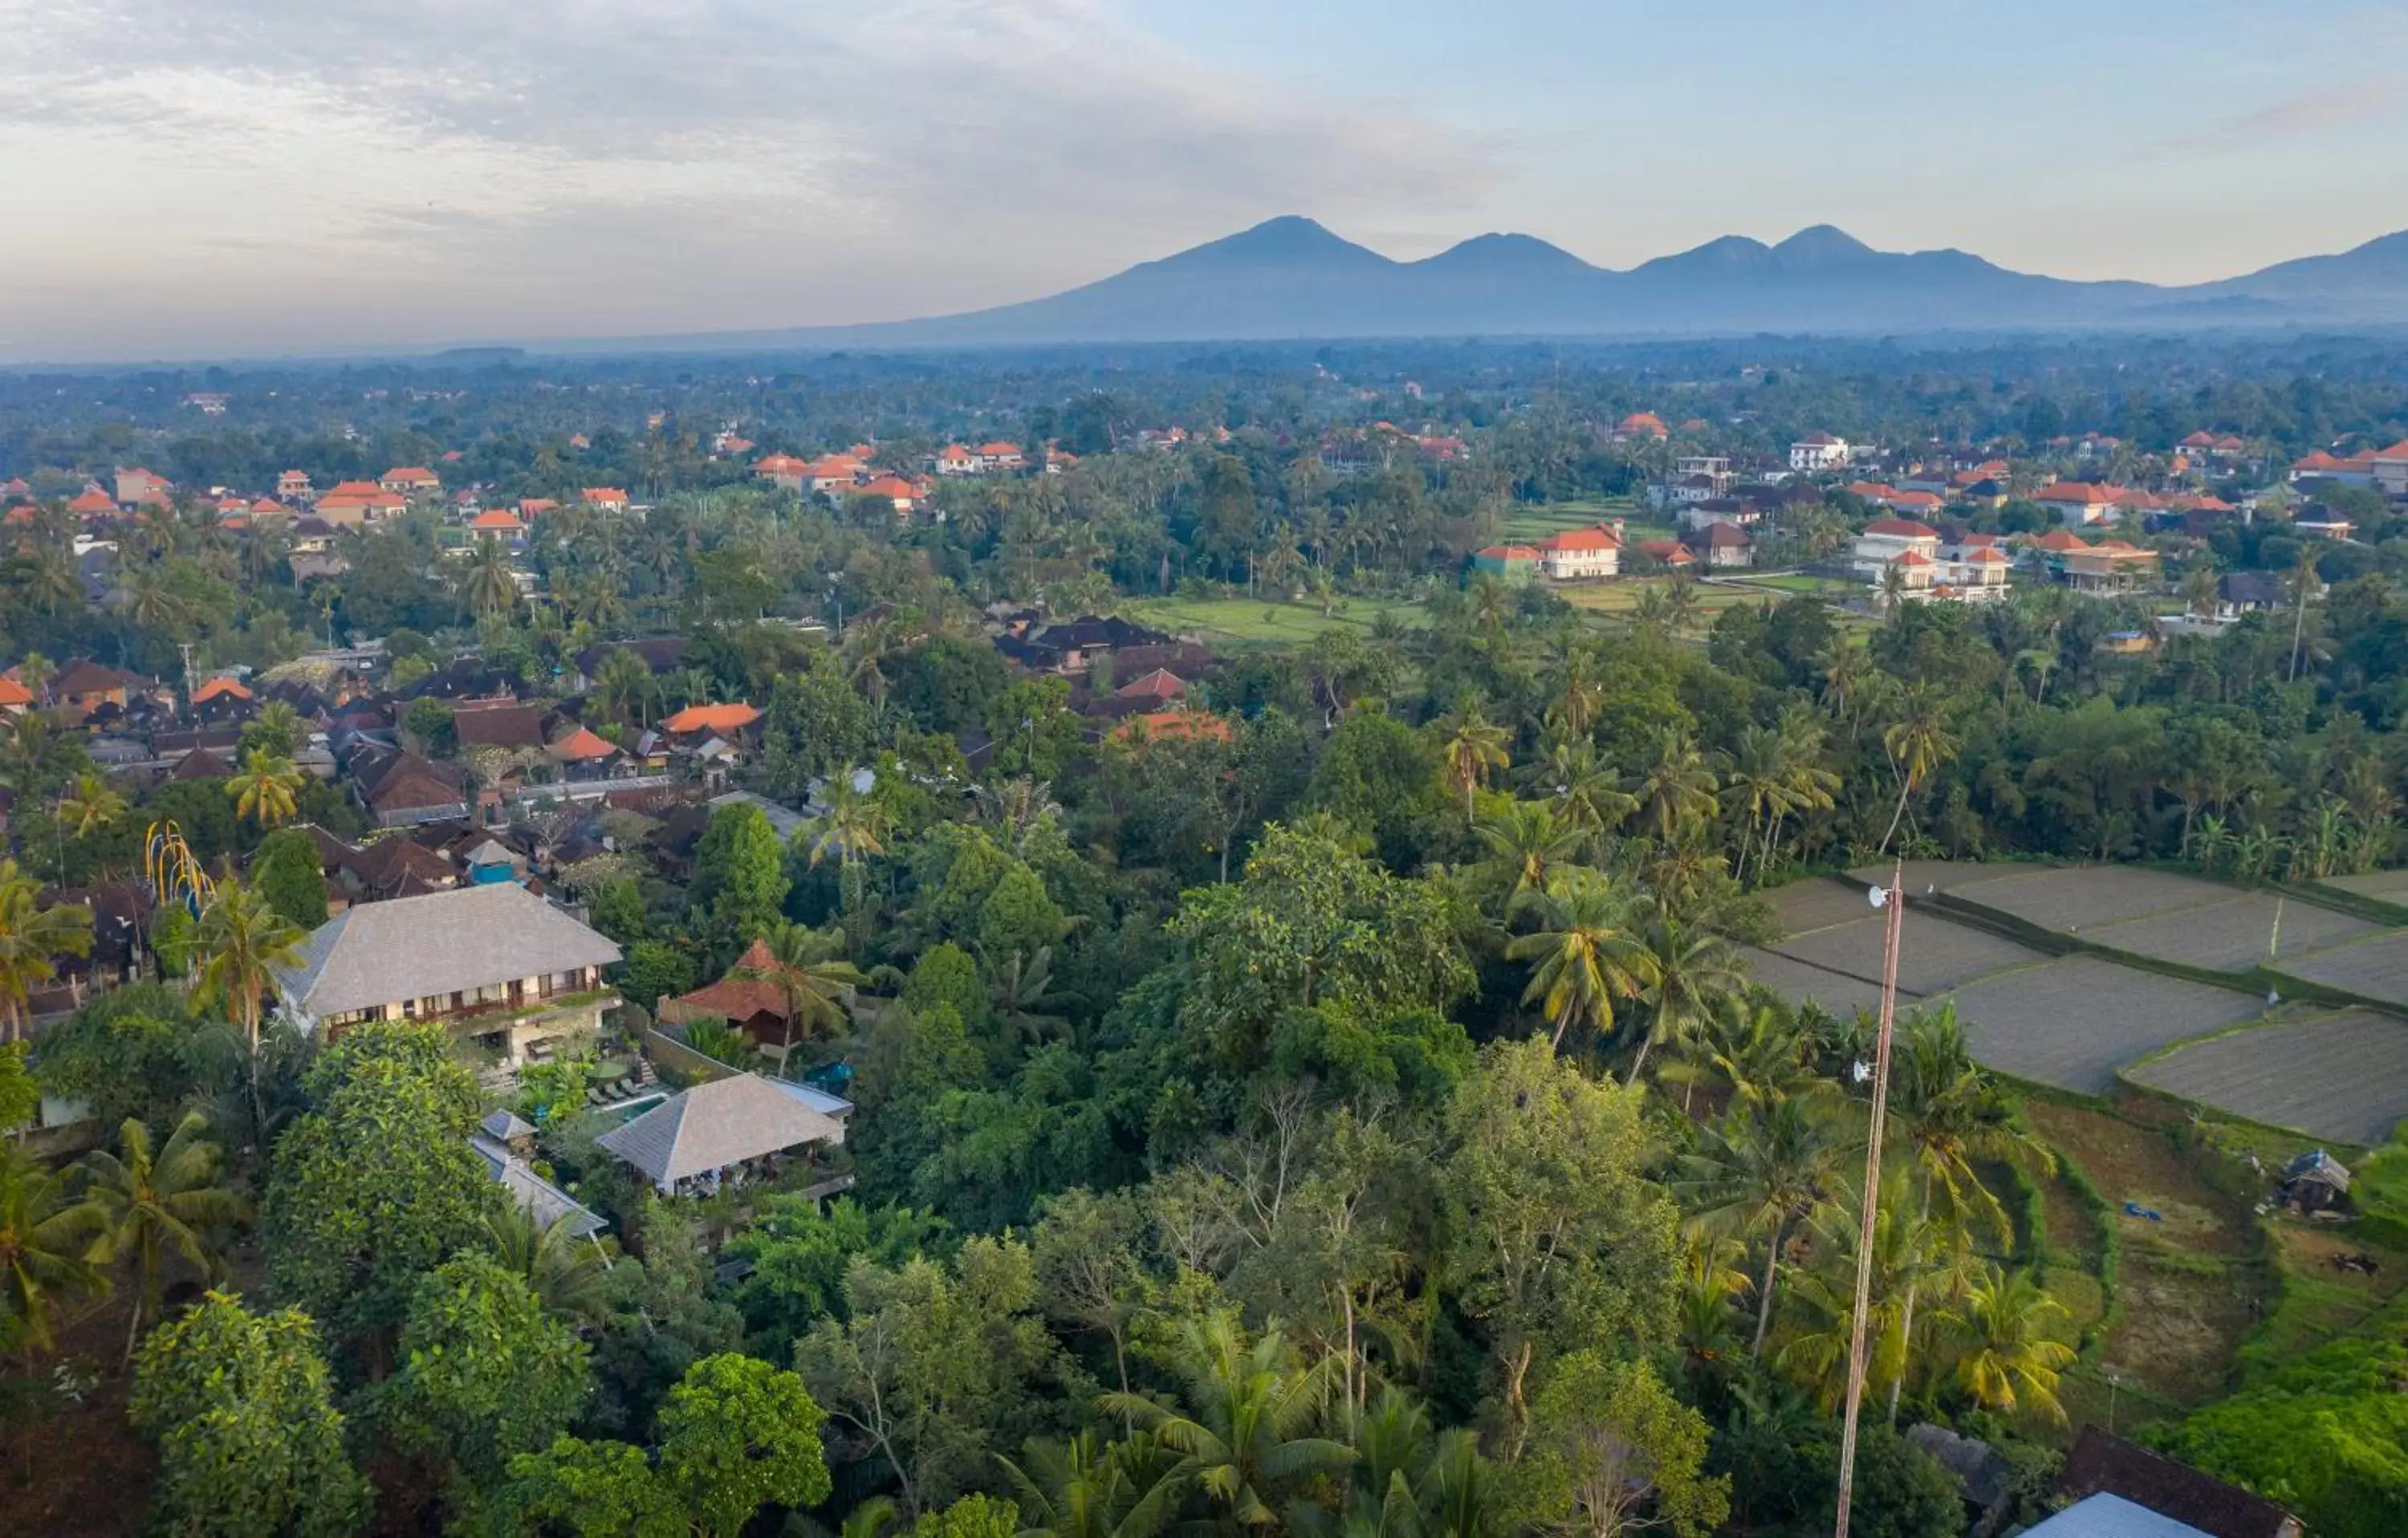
{"x": 14, "y": 693}
{"x": 1596, "y": 538}
{"x": 1910, "y": 557}
{"x": 497, "y": 519}
{"x": 2080, "y": 493}
{"x": 218, "y": 686}
{"x": 93, "y": 501}
{"x": 1510, "y": 553}
{"x": 2059, "y": 540}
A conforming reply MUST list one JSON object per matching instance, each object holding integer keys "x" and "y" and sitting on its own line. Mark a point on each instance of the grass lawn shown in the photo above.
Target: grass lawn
{"x": 1266, "y": 622}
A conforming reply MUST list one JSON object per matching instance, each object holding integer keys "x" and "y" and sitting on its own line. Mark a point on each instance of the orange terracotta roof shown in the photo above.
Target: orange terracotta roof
{"x": 1910, "y": 557}
{"x": 216, "y": 687}
{"x": 581, "y": 745}
{"x": 1580, "y": 539}
{"x": 356, "y": 488}
{"x": 604, "y": 494}
{"x": 498, "y": 519}
{"x": 1174, "y": 725}
{"x": 93, "y": 501}
{"x": 1987, "y": 555}
{"x": 715, "y": 718}
{"x": 14, "y": 693}
{"x": 2059, "y": 540}
{"x": 1510, "y": 553}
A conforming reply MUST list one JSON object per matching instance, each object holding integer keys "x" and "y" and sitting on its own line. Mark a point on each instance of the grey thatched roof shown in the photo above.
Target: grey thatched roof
{"x": 440, "y": 942}
{"x": 715, "y": 1125}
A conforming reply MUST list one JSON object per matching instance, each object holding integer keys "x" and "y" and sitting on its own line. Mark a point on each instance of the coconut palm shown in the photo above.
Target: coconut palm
{"x": 1709, "y": 1285}
{"x": 799, "y": 962}
{"x": 1918, "y": 743}
{"x": 1587, "y": 951}
{"x": 564, "y": 1271}
{"x": 89, "y": 805}
{"x": 487, "y": 589}
{"x": 854, "y": 830}
{"x": 1911, "y": 1253}
{"x": 1087, "y": 1488}
{"x": 2012, "y": 1357}
{"x": 243, "y": 942}
{"x": 1764, "y": 1170}
{"x": 42, "y": 1262}
{"x": 266, "y": 789}
{"x": 146, "y": 1206}
{"x": 1748, "y": 1049}
{"x": 1525, "y": 841}
{"x": 623, "y": 686}
{"x": 1472, "y": 747}
{"x": 1243, "y": 1440}
{"x": 32, "y": 940}
{"x": 1692, "y": 970}
{"x": 277, "y": 728}
{"x": 1676, "y": 789}
{"x": 1589, "y": 795}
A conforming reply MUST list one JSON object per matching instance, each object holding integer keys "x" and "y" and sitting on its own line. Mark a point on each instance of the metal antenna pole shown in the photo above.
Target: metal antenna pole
{"x": 1895, "y": 900}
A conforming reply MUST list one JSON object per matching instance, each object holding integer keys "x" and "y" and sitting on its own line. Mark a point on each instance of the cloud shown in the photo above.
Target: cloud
{"x": 750, "y": 161}
{"x": 2340, "y": 105}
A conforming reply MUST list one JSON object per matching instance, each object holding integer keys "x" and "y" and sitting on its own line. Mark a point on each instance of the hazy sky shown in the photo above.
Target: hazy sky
{"x": 186, "y": 177}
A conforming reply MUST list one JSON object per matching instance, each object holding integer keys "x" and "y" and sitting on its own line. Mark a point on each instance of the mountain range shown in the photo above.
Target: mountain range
{"x": 1291, "y": 278}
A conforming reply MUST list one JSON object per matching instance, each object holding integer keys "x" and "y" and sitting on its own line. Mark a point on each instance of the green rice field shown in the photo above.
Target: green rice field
{"x": 1266, "y": 622}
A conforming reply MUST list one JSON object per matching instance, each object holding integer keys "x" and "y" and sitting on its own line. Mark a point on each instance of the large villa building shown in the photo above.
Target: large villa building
{"x": 496, "y": 964}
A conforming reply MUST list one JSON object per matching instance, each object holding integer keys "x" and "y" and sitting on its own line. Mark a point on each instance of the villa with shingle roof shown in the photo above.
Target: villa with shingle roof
{"x": 494, "y": 963}
{"x": 701, "y": 1134}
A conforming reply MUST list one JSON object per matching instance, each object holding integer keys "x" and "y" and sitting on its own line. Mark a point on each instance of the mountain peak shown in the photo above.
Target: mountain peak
{"x": 1290, "y": 240}
{"x": 1506, "y": 254}
{"x": 1822, "y": 245}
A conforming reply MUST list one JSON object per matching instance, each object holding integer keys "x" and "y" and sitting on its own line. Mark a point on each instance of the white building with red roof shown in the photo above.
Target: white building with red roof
{"x": 1582, "y": 554}
{"x": 1884, "y": 539}
{"x": 2080, "y": 501}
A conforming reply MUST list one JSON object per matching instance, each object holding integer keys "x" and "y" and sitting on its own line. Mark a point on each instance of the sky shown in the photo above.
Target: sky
{"x": 246, "y": 178}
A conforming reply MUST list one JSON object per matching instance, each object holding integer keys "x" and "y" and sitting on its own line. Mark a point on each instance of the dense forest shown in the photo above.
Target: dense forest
{"x": 1359, "y": 1121}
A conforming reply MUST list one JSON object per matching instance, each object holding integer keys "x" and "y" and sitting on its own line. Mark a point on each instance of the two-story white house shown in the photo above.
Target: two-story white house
{"x": 1884, "y": 539}
{"x": 1819, "y": 451}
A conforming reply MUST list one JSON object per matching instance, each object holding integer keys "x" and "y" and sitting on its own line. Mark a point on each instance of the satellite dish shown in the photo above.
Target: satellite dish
{"x": 1878, "y": 896}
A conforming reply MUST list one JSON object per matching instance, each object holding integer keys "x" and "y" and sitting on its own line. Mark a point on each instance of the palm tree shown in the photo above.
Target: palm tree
{"x": 1525, "y": 841}
{"x": 1681, "y": 602}
{"x": 277, "y": 728}
{"x": 1691, "y": 970}
{"x": 853, "y": 828}
{"x": 1087, "y": 1490}
{"x": 1751, "y": 1050}
{"x": 32, "y": 940}
{"x": 147, "y": 1206}
{"x": 1910, "y": 1253}
{"x": 1918, "y": 743}
{"x": 243, "y": 942}
{"x": 1590, "y": 795}
{"x": 563, "y": 1270}
{"x": 1472, "y": 749}
{"x": 1710, "y": 1281}
{"x": 796, "y": 961}
{"x": 623, "y": 686}
{"x": 1021, "y": 989}
{"x": 1676, "y": 789}
{"x": 2012, "y": 1357}
{"x": 487, "y": 589}
{"x": 1762, "y": 1170}
{"x": 41, "y": 1261}
{"x": 1243, "y": 1440}
{"x": 89, "y": 805}
{"x": 1585, "y": 950}
{"x": 2200, "y": 591}
{"x": 267, "y": 789}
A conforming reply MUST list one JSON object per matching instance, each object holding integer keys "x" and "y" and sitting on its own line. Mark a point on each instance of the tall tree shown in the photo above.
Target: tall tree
{"x": 42, "y": 1263}
{"x": 1473, "y": 748}
{"x": 1613, "y": 1452}
{"x": 1250, "y": 1407}
{"x": 2013, "y": 1353}
{"x": 1764, "y": 1169}
{"x": 250, "y": 1441}
{"x": 243, "y": 942}
{"x": 265, "y": 789}
{"x": 487, "y": 589}
{"x": 1557, "y": 1239}
{"x": 32, "y": 940}
{"x": 146, "y": 1206}
{"x": 1587, "y": 951}
{"x": 811, "y": 980}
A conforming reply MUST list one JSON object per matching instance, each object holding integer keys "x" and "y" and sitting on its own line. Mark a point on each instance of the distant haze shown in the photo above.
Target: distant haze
{"x": 253, "y": 177}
